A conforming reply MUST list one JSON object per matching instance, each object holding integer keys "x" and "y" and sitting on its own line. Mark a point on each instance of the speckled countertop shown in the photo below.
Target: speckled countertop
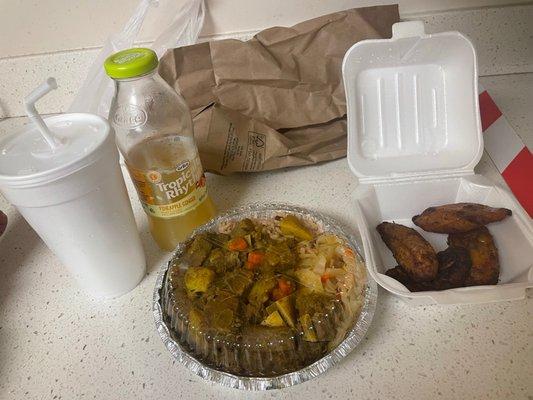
{"x": 57, "y": 343}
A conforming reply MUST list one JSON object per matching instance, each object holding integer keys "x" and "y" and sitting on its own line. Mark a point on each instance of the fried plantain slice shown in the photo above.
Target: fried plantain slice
{"x": 459, "y": 217}
{"x": 411, "y": 250}
{"x": 401, "y": 276}
{"x": 483, "y": 255}
{"x": 454, "y": 268}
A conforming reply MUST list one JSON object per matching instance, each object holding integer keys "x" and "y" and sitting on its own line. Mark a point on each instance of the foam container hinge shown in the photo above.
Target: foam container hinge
{"x": 414, "y": 138}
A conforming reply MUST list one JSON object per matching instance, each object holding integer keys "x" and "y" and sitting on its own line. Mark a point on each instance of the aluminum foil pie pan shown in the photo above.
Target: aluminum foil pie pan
{"x": 185, "y": 355}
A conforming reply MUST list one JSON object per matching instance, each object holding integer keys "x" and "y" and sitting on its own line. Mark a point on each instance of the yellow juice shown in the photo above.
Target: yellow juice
{"x": 170, "y": 182}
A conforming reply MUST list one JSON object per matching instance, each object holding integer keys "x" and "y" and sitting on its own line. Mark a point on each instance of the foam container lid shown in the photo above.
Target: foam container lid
{"x": 414, "y": 138}
{"x": 412, "y": 105}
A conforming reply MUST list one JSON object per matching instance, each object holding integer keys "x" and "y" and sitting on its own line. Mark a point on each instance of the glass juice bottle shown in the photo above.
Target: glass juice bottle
{"x": 154, "y": 133}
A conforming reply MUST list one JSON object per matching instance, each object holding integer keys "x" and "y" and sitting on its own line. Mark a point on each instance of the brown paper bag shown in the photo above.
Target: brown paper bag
{"x": 276, "y": 100}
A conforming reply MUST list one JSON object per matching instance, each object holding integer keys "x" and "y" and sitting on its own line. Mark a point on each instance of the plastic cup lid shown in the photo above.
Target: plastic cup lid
{"x": 26, "y": 158}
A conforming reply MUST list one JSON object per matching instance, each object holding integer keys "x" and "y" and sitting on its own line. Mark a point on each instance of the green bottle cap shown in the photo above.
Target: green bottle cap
{"x": 131, "y": 63}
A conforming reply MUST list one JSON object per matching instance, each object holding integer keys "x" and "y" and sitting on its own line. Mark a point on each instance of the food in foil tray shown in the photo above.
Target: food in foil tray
{"x": 471, "y": 258}
{"x": 264, "y": 297}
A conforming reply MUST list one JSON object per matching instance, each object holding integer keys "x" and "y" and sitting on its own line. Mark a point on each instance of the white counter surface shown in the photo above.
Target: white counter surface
{"x": 55, "y": 343}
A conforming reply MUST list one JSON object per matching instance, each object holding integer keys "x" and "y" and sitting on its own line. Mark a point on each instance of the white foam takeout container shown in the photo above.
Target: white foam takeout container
{"x": 414, "y": 138}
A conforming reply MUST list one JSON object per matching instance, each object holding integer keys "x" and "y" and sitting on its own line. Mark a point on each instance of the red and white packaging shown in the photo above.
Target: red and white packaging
{"x": 510, "y": 155}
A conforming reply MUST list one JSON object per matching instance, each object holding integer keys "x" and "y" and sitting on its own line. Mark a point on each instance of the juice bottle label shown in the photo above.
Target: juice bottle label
{"x": 170, "y": 193}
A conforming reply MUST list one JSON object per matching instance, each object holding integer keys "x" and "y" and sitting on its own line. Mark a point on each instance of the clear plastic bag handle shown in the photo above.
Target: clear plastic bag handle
{"x": 96, "y": 92}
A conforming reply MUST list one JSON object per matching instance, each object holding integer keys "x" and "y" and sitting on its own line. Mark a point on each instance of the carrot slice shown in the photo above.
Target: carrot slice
{"x": 237, "y": 244}
{"x": 255, "y": 257}
{"x": 285, "y": 286}
{"x": 249, "y": 266}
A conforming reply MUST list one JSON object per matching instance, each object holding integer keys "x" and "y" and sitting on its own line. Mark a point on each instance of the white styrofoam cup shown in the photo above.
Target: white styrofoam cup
{"x": 76, "y": 201}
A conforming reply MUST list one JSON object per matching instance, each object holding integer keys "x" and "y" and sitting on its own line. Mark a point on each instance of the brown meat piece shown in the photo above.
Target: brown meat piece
{"x": 198, "y": 250}
{"x": 411, "y": 250}
{"x": 483, "y": 254}
{"x": 454, "y": 268}
{"x": 460, "y": 217}
{"x": 268, "y": 351}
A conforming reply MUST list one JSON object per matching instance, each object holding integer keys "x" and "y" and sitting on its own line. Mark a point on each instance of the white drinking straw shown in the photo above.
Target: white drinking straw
{"x": 29, "y": 103}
